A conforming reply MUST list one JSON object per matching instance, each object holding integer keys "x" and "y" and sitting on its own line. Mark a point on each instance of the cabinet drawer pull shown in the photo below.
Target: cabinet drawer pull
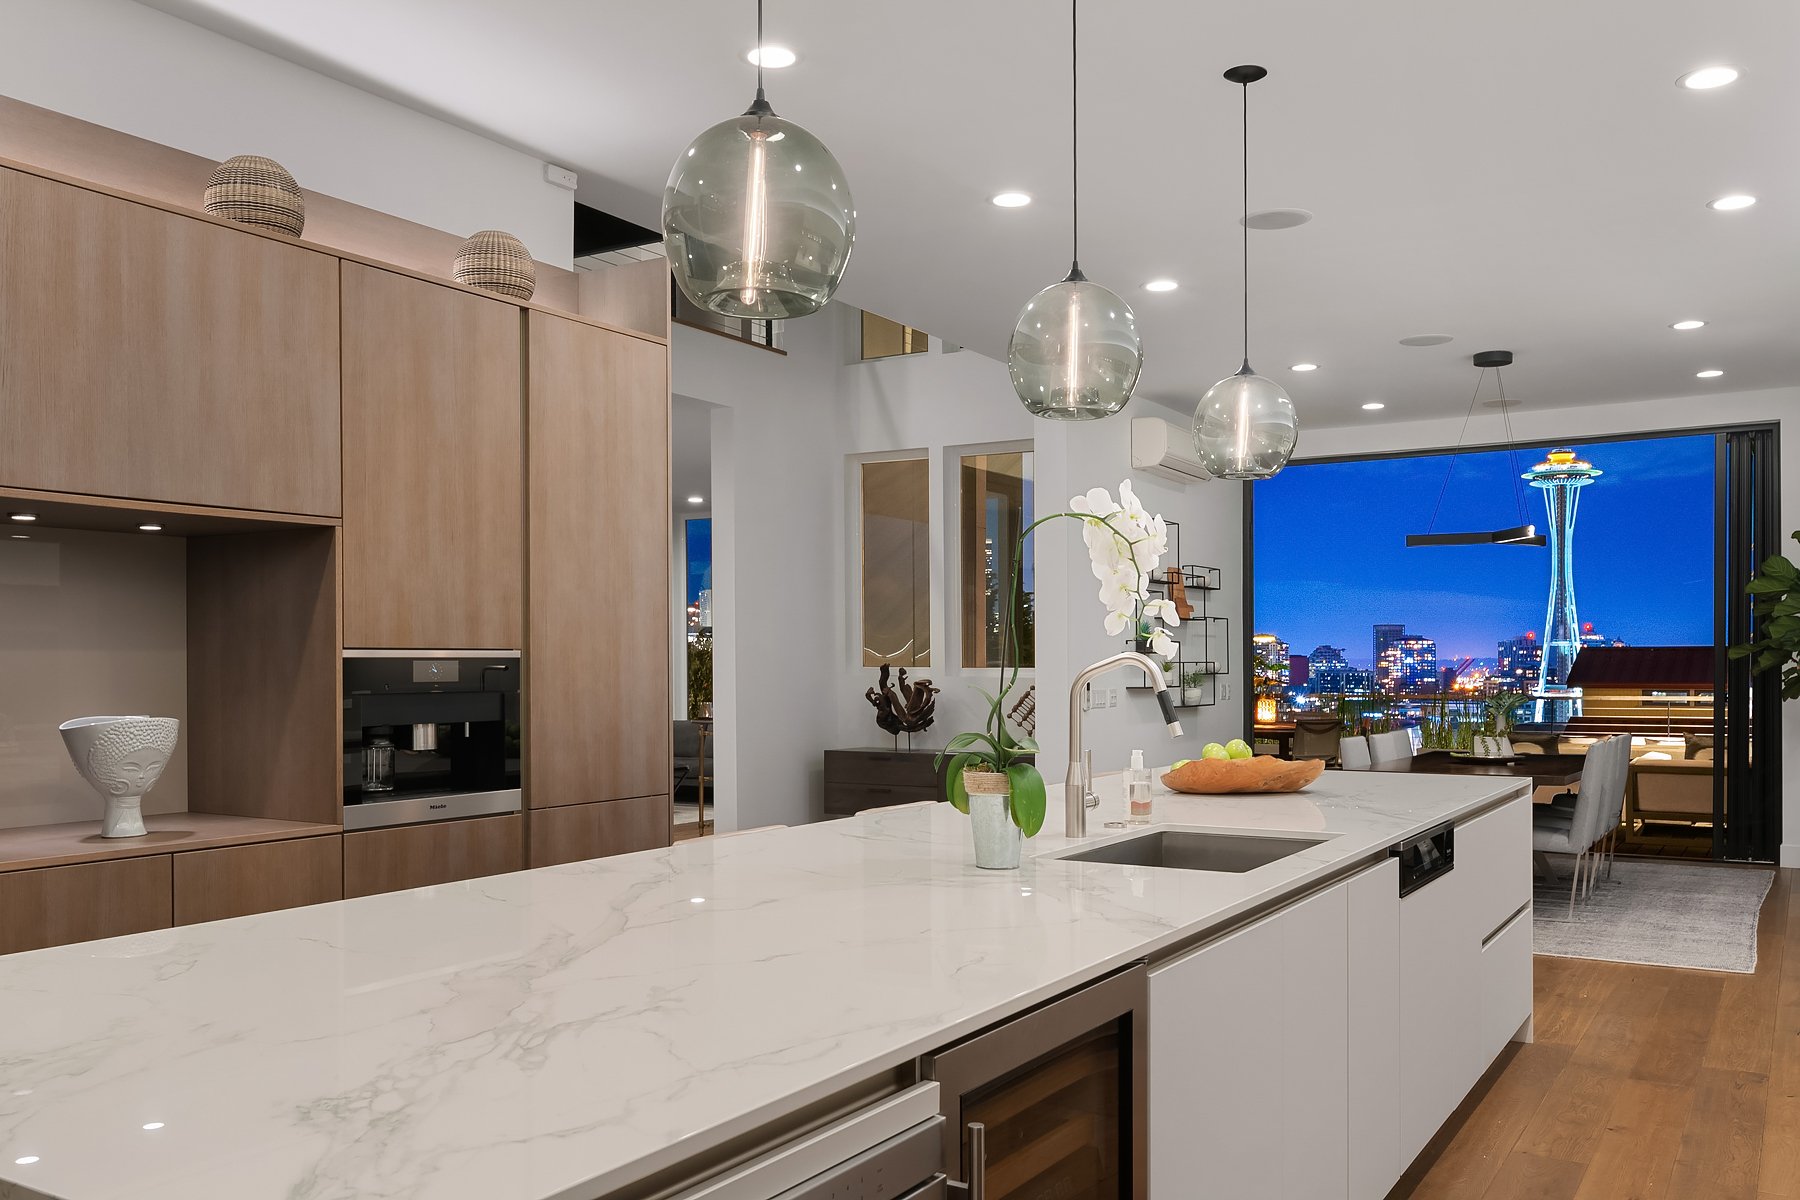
{"x": 975, "y": 1188}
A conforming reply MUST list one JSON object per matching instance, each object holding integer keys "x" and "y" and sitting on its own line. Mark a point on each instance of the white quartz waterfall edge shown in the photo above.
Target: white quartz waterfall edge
{"x": 1695, "y": 915}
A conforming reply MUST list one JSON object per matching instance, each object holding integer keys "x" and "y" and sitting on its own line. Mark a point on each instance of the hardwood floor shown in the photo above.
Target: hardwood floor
{"x": 1643, "y": 1082}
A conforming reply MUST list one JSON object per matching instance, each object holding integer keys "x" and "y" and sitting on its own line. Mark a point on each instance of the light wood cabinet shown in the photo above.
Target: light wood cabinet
{"x": 409, "y": 856}
{"x": 154, "y": 356}
{"x": 57, "y": 905}
{"x": 597, "y": 719}
{"x": 576, "y": 832}
{"x": 433, "y": 494}
{"x": 236, "y": 881}
{"x": 1249, "y": 1086}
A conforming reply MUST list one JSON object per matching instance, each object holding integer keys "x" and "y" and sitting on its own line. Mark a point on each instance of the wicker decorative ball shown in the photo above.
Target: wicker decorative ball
{"x": 496, "y": 262}
{"x": 253, "y": 190}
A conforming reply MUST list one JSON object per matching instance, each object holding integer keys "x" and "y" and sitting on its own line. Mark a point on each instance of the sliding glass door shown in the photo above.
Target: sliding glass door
{"x": 1747, "y": 714}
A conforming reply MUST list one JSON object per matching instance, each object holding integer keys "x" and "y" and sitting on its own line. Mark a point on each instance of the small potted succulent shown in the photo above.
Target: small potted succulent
{"x": 992, "y": 774}
{"x": 1193, "y": 689}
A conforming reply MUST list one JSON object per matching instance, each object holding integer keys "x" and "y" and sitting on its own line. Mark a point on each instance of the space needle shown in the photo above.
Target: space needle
{"x": 1561, "y": 476}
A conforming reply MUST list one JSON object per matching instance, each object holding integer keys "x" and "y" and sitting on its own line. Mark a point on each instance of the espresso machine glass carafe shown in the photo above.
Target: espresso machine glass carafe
{"x": 429, "y": 735}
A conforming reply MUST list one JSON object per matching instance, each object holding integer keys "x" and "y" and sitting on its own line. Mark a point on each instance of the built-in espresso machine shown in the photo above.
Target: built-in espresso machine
{"x": 430, "y": 735}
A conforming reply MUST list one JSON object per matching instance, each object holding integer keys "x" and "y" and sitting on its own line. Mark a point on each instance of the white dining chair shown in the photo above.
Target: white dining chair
{"x": 1576, "y": 831}
{"x": 1393, "y": 746}
{"x": 1353, "y": 753}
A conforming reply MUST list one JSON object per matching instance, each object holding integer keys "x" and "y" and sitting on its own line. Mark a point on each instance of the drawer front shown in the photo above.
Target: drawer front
{"x": 235, "y": 881}
{"x": 899, "y": 768}
{"x": 1505, "y": 985}
{"x": 410, "y": 856}
{"x": 848, "y": 799}
{"x": 59, "y": 905}
{"x": 1493, "y": 855}
{"x": 577, "y": 832}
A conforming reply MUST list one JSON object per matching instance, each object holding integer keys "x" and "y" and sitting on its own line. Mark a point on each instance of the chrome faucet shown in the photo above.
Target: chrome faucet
{"x": 1079, "y": 783}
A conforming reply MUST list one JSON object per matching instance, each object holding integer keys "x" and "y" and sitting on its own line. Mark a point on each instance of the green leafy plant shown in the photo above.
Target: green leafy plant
{"x": 699, "y": 674}
{"x": 1776, "y": 602}
{"x": 1124, "y": 543}
{"x": 1193, "y": 679}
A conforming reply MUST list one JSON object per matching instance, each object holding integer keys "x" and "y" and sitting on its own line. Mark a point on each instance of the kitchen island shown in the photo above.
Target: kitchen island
{"x": 571, "y": 1031}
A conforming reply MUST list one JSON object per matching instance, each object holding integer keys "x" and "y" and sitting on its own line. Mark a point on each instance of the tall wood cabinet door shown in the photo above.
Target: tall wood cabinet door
{"x": 434, "y": 524}
{"x": 58, "y": 905}
{"x": 156, "y": 356}
{"x": 597, "y": 669}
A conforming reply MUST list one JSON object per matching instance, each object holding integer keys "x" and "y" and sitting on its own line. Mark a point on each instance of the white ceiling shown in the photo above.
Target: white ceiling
{"x": 1523, "y": 176}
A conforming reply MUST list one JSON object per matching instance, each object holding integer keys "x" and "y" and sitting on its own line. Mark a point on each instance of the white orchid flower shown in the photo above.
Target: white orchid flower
{"x": 1097, "y": 503}
{"x": 1163, "y": 610}
{"x": 1161, "y": 643}
{"x": 1118, "y": 622}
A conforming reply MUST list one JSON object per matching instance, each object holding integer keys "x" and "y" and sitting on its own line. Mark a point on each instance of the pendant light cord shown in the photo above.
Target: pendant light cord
{"x": 1460, "y": 435}
{"x": 1246, "y": 224}
{"x": 1512, "y": 449}
{"x": 1074, "y": 134}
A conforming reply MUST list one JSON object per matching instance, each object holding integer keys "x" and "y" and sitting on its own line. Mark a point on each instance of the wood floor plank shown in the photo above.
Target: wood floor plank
{"x": 1622, "y": 1027}
{"x": 1743, "y": 1033}
{"x": 1636, "y": 1155}
{"x": 1569, "y": 992}
{"x": 1721, "y": 1149}
{"x": 1469, "y": 1164}
{"x": 1569, "y": 1121}
{"x": 1679, "y": 1033}
{"x": 1531, "y": 1177}
{"x": 1780, "y": 1173}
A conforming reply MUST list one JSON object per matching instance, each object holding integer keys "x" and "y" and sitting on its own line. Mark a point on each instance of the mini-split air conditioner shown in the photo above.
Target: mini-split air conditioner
{"x": 1164, "y": 448}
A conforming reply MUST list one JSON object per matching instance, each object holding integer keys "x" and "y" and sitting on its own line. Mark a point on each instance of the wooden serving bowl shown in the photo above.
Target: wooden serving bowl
{"x": 1224, "y": 776}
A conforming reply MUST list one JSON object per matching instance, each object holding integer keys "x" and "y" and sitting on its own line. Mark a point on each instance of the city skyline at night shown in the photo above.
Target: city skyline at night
{"x": 1331, "y": 561}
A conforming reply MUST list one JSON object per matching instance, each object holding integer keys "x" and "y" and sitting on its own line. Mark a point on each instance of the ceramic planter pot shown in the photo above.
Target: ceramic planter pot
{"x": 122, "y": 758}
{"x": 1193, "y": 696}
{"x": 997, "y": 840}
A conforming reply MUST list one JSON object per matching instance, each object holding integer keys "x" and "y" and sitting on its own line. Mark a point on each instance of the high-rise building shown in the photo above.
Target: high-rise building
{"x": 1298, "y": 670}
{"x": 1590, "y": 638}
{"x": 1385, "y": 634}
{"x": 1561, "y": 476}
{"x": 1325, "y": 669}
{"x": 1408, "y": 665}
{"x": 1519, "y": 662}
{"x": 1271, "y": 654}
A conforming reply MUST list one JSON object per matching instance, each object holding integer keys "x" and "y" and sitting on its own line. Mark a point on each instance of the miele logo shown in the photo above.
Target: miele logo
{"x": 436, "y": 807}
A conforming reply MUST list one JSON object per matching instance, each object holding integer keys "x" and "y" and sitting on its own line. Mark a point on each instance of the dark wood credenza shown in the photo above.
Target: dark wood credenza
{"x": 878, "y": 777}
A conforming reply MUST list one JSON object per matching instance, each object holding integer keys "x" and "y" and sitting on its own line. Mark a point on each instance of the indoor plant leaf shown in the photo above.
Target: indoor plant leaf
{"x": 954, "y": 787}
{"x": 1028, "y": 799}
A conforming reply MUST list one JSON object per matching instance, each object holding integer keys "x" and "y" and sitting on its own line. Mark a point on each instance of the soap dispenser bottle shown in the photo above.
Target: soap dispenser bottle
{"x": 1137, "y": 790}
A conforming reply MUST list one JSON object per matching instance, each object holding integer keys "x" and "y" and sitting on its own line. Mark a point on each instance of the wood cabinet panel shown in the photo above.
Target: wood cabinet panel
{"x": 211, "y": 885}
{"x": 58, "y": 905}
{"x": 409, "y": 856}
{"x": 161, "y": 357}
{"x": 434, "y": 522}
{"x": 573, "y": 833}
{"x": 597, "y": 718}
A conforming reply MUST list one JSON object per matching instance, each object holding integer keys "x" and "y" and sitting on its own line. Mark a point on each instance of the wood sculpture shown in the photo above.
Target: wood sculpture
{"x": 908, "y": 708}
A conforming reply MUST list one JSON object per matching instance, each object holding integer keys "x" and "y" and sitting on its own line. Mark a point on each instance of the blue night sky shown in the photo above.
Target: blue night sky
{"x": 1331, "y": 555}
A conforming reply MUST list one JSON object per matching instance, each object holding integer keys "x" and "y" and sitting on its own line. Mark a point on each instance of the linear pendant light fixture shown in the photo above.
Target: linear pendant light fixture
{"x": 1522, "y": 534}
{"x": 1075, "y": 353}
{"x": 757, "y": 217}
{"x": 1245, "y": 426}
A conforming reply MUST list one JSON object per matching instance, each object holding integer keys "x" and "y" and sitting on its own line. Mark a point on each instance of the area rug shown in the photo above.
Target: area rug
{"x": 1663, "y": 914}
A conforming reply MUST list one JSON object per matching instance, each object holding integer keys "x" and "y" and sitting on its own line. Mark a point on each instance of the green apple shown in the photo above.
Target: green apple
{"x": 1214, "y": 750}
{"x": 1180, "y": 763}
{"x": 1238, "y": 748}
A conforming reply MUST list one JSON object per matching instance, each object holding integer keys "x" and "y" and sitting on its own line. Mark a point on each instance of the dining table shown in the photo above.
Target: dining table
{"x": 1544, "y": 770}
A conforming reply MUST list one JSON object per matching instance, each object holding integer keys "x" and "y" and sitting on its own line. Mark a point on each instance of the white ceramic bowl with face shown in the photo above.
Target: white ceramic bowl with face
{"x": 121, "y": 758}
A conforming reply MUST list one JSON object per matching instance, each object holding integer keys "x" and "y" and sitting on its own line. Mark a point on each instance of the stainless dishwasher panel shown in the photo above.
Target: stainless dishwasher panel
{"x": 865, "y": 1139}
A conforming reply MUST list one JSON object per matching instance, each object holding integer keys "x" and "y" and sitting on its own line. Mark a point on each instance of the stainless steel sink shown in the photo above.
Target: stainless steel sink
{"x": 1190, "y": 850}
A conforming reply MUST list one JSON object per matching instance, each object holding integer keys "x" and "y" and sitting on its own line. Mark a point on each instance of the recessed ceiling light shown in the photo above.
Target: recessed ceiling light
{"x": 1275, "y": 218}
{"x": 696, "y": 499}
{"x": 22, "y": 516}
{"x": 1688, "y": 325}
{"x": 1708, "y": 77}
{"x": 1304, "y": 367}
{"x": 771, "y": 56}
{"x": 26, "y": 1160}
{"x": 1374, "y": 406}
{"x": 1427, "y": 339}
{"x": 696, "y": 899}
{"x": 153, "y": 1125}
{"x": 1732, "y": 202}
{"x": 1709, "y": 373}
{"x": 21, "y": 537}
{"x": 1012, "y": 199}
{"x": 1161, "y": 285}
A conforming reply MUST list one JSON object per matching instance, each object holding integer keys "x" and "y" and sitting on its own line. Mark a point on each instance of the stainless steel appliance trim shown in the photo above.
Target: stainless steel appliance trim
{"x": 1012, "y": 1044}
{"x": 365, "y": 653}
{"x": 415, "y": 810}
{"x": 909, "y": 1159}
{"x": 796, "y": 1162}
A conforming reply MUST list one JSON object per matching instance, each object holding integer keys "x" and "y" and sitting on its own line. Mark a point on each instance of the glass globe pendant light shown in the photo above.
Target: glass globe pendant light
{"x": 757, "y": 217}
{"x": 1075, "y": 353}
{"x": 1245, "y": 427}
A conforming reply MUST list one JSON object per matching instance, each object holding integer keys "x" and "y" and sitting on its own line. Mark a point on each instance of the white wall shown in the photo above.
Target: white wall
{"x": 1601, "y": 421}
{"x": 132, "y": 68}
{"x": 788, "y": 679}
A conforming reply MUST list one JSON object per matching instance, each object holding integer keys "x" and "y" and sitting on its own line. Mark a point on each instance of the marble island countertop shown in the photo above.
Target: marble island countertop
{"x": 565, "y": 1031}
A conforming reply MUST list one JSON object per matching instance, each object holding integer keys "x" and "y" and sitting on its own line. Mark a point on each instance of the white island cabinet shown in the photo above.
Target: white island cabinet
{"x": 1312, "y": 1053}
